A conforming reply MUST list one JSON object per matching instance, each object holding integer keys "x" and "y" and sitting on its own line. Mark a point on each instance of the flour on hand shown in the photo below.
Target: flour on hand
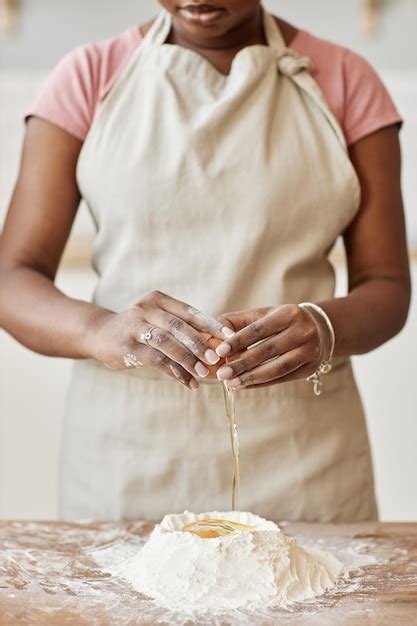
{"x": 243, "y": 569}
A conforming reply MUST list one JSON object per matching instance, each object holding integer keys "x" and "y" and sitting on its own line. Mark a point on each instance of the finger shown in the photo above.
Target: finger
{"x": 283, "y": 342}
{"x": 272, "y": 370}
{"x": 239, "y": 319}
{"x": 196, "y": 318}
{"x": 249, "y": 359}
{"x": 277, "y": 320}
{"x": 147, "y": 356}
{"x": 164, "y": 342}
{"x": 226, "y": 323}
{"x": 186, "y": 334}
{"x": 298, "y": 374}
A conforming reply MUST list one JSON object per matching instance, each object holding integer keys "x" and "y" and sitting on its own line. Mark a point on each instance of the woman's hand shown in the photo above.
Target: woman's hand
{"x": 175, "y": 347}
{"x": 293, "y": 343}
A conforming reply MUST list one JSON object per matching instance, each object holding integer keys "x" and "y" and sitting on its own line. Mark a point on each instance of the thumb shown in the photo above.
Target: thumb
{"x": 237, "y": 320}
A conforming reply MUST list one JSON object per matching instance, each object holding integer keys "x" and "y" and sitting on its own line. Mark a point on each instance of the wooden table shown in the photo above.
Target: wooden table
{"x": 49, "y": 574}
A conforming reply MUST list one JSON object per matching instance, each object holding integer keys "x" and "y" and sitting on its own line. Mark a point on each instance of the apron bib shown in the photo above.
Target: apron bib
{"x": 227, "y": 192}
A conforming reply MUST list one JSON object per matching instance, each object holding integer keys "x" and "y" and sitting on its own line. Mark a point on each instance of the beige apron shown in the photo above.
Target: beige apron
{"x": 227, "y": 192}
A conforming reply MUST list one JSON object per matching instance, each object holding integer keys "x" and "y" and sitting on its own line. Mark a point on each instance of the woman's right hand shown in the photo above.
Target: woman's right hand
{"x": 175, "y": 347}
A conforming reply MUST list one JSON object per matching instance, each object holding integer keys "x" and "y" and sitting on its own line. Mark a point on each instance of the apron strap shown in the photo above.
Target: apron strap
{"x": 297, "y": 68}
{"x": 307, "y": 83}
{"x": 159, "y": 31}
{"x": 273, "y": 35}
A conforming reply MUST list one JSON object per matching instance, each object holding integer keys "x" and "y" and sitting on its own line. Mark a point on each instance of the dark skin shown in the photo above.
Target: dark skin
{"x": 43, "y": 208}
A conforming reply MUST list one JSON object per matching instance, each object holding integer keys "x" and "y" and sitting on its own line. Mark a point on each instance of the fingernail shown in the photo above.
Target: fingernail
{"x": 235, "y": 382}
{"x": 224, "y": 372}
{"x": 201, "y": 369}
{"x": 223, "y": 349}
{"x": 227, "y": 332}
{"x": 194, "y": 384}
{"x": 211, "y": 357}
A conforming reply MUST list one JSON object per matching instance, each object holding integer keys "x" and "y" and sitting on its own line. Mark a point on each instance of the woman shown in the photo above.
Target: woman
{"x": 221, "y": 152}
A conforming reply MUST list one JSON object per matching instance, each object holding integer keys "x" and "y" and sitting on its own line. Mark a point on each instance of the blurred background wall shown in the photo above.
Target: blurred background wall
{"x": 48, "y": 28}
{"x": 32, "y": 388}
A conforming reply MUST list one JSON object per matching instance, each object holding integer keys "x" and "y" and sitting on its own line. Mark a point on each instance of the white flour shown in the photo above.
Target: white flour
{"x": 261, "y": 568}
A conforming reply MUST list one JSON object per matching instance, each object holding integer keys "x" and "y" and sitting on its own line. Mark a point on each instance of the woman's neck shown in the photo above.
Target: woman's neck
{"x": 288, "y": 31}
{"x": 247, "y": 33}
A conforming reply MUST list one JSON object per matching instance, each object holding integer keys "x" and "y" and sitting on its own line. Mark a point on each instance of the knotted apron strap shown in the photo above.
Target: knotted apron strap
{"x": 297, "y": 68}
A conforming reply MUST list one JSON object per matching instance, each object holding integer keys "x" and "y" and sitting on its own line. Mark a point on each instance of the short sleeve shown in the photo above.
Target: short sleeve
{"x": 67, "y": 98}
{"x": 368, "y": 105}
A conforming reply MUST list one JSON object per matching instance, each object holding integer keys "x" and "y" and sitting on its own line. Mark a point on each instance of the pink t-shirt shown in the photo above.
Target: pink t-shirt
{"x": 81, "y": 80}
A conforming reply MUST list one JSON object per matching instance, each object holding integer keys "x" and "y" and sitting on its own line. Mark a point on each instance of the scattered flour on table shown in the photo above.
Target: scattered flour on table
{"x": 78, "y": 568}
{"x": 246, "y": 569}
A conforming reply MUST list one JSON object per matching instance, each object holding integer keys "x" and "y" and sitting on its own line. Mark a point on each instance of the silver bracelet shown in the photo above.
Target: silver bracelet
{"x": 325, "y": 366}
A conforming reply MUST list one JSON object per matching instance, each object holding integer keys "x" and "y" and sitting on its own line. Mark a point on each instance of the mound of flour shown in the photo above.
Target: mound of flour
{"x": 260, "y": 568}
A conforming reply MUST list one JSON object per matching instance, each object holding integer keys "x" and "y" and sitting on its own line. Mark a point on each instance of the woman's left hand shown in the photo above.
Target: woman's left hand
{"x": 293, "y": 343}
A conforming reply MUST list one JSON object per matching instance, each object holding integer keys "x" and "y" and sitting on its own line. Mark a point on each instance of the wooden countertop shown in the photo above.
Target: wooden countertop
{"x": 49, "y": 574}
